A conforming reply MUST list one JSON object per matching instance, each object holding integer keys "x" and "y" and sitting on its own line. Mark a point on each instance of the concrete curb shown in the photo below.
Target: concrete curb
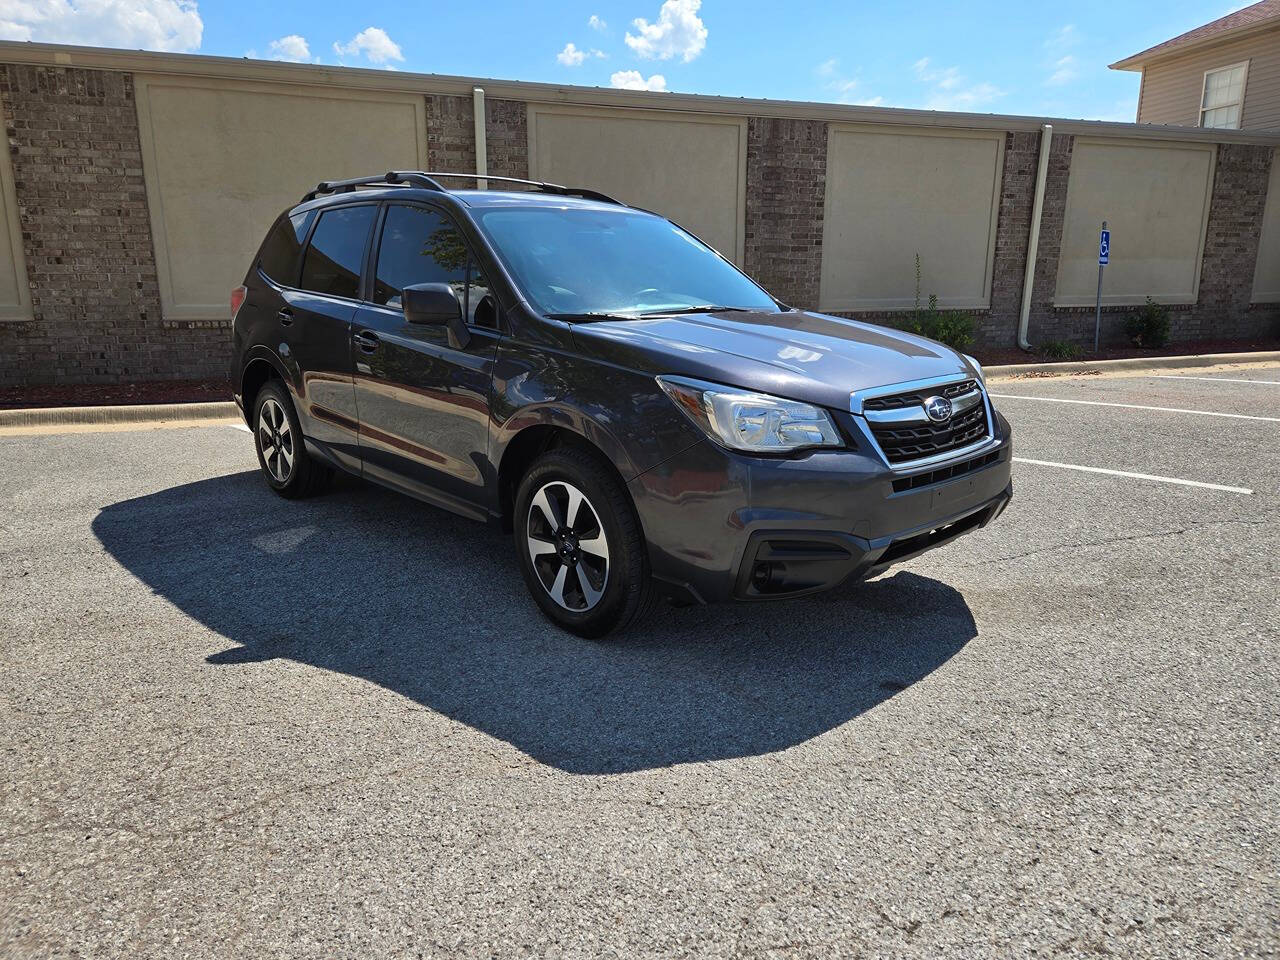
{"x": 136, "y": 413}
{"x": 1130, "y": 364}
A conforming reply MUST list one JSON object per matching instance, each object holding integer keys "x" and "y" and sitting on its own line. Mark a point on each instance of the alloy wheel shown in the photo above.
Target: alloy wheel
{"x": 567, "y": 546}
{"x": 275, "y": 440}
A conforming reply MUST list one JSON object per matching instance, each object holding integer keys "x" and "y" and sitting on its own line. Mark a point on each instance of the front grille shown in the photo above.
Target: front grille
{"x": 905, "y": 442}
{"x": 917, "y": 398}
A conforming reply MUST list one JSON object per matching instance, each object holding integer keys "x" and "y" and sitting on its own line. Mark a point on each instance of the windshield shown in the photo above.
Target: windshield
{"x": 582, "y": 262}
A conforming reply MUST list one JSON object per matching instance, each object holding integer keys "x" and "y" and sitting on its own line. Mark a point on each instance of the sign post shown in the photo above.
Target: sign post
{"x": 1104, "y": 257}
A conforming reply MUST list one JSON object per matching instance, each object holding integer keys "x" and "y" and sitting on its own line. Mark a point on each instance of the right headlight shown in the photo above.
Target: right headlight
{"x": 751, "y": 422}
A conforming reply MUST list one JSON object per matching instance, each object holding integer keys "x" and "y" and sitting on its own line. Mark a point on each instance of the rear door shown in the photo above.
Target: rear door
{"x": 424, "y": 405}
{"x": 317, "y": 317}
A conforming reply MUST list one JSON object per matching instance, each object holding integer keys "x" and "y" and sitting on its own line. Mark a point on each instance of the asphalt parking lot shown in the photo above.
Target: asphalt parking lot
{"x": 234, "y": 726}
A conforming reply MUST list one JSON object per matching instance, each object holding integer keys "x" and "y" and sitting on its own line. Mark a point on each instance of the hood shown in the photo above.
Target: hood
{"x": 798, "y": 355}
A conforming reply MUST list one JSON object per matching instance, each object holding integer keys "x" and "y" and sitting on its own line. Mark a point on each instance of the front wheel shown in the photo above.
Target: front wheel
{"x": 579, "y": 543}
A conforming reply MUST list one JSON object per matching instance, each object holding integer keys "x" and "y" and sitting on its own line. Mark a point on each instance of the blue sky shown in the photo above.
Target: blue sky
{"x": 1024, "y": 56}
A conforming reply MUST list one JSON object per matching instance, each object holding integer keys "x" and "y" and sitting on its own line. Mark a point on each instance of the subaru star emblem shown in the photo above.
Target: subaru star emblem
{"x": 938, "y": 409}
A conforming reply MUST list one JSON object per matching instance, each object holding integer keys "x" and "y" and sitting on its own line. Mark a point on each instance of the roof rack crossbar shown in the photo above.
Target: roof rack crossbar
{"x": 428, "y": 181}
{"x": 406, "y": 178}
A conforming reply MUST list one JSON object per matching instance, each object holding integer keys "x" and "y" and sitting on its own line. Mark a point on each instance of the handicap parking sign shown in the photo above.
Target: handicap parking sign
{"x": 1104, "y": 248}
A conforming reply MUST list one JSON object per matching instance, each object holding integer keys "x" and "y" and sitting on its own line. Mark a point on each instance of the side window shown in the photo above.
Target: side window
{"x": 418, "y": 246}
{"x": 279, "y": 259}
{"x": 332, "y": 262}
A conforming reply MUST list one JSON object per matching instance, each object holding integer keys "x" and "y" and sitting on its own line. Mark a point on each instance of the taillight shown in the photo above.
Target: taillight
{"x": 237, "y": 299}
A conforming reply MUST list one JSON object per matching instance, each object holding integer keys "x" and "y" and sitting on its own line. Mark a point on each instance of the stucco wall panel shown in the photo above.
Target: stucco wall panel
{"x": 892, "y": 194}
{"x": 224, "y": 158}
{"x": 686, "y": 167}
{"x": 1266, "y": 277}
{"x": 1155, "y": 199}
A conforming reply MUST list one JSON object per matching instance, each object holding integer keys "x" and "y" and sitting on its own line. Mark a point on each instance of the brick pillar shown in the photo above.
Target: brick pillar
{"x": 1231, "y": 243}
{"x": 786, "y": 196}
{"x": 999, "y": 327}
{"x": 86, "y": 236}
{"x": 1046, "y": 323}
{"x": 451, "y": 135}
{"x": 506, "y": 132}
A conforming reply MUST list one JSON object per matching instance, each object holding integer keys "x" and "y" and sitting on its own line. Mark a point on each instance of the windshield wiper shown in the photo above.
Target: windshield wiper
{"x": 591, "y": 315}
{"x": 700, "y": 308}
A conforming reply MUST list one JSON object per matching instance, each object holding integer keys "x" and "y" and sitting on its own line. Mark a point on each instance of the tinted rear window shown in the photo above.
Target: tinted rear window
{"x": 279, "y": 259}
{"x": 333, "y": 258}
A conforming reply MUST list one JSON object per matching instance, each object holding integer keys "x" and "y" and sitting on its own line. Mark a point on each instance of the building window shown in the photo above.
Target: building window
{"x": 1223, "y": 99}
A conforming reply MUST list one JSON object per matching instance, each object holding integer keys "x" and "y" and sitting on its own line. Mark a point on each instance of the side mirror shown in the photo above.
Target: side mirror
{"x": 435, "y": 304}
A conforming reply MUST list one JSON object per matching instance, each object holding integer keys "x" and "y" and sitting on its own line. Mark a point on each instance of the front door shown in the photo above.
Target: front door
{"x": 424, "y": 405}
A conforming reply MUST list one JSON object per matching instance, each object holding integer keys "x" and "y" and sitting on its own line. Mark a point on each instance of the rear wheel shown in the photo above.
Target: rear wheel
{"x": 579, "y": 543}
{"x": 277, "y": 436}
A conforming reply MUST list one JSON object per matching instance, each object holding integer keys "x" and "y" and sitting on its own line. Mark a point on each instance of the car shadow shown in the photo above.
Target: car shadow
{"x": 432, "y": 606}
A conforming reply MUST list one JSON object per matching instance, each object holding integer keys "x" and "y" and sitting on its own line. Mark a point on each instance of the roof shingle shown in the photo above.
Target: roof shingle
{"x": 1251, "y": 16}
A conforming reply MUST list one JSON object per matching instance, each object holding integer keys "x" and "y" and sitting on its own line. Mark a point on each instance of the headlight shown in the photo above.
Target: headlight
{"x": 977, "y": 366}
{"x": 751, "y": 422}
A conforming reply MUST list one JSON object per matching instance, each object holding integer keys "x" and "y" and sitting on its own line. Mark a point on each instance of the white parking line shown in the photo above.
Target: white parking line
{"x": 239, "y": 426}
{"x": 1135, "y": 406}
{"x": 1174, "y": 376}
{"x": 1134, "y": 476}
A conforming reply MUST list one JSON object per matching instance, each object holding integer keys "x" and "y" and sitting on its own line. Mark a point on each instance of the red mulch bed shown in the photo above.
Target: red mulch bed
{"x": 115, "y": 394}
{"x": 998, "y": 355}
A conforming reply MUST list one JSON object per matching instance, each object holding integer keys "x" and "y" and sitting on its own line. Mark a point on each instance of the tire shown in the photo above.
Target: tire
{"x": 282, "y": 454}
{"x": 591, "y": 576}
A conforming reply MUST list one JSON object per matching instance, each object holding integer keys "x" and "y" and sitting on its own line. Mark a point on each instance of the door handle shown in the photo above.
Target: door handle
{"x": 285, "y": 316}
{"x": 366, "y": 341}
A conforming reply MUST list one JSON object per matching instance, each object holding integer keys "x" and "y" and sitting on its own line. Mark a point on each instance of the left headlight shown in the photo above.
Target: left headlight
{"x": 751, "y": 422}
{"x": 977, "y": 366}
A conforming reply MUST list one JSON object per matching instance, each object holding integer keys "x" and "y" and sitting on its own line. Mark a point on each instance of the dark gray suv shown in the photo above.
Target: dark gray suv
{"x": 640, "y": 414}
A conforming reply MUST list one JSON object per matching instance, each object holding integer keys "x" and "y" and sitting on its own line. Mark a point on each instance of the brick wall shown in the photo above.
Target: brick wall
{"x": 451, "y": 134}
{"x": 1231, "y": 248}
{"x": 1013, "y": 232}
{"x": 506, "y": 134}
{"x": 786, "y": 190}
{"x": 86, "y": 235}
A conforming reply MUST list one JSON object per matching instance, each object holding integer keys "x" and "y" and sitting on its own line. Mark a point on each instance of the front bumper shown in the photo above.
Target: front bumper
{"x": 724, "y": 526}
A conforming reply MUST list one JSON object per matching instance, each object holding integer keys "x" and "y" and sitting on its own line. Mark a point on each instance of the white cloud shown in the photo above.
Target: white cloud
{"x": 870, "y": 102}
{"x": 374, "y": 43}
{"x": 634, "y": 80}
{"x": 171, "y": 25}
{"x": 679, "y": 32}
{"x": 951, "y": 90}
{"x": 292, "y": 48}
{"x": 844, "y": 88}
{"x": 1063, "y": 37}
{"x": 571, "y": 56}
{"x": 1064, "y": 71}
{"x": 596, "y": 23}
{"x": 827, "y": 68}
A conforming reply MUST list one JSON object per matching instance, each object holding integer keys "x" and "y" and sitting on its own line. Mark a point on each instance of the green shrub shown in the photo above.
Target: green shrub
{"x": 952, "y": 327}
{"x": 1059, "y": 350}
{"x": 1149, "y": 326}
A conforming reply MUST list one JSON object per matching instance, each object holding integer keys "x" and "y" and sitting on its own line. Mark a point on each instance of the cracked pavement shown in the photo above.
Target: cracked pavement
{"x": 234, "y": 726}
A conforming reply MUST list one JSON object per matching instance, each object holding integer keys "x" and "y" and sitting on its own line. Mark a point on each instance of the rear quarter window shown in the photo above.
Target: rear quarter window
{"x": 336, "y": 251}
{"x": 279, "y": 259}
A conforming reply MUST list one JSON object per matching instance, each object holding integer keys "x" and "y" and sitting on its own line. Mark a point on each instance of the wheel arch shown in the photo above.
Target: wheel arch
{"x": 257, "y": 371}
{"x": 529, "y": 442}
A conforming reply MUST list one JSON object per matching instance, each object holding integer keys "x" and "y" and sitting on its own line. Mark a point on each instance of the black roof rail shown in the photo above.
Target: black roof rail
{"x": 555, "y": 188}
{"x": 428, "y": 181}
{"x": 406, "y": 178}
